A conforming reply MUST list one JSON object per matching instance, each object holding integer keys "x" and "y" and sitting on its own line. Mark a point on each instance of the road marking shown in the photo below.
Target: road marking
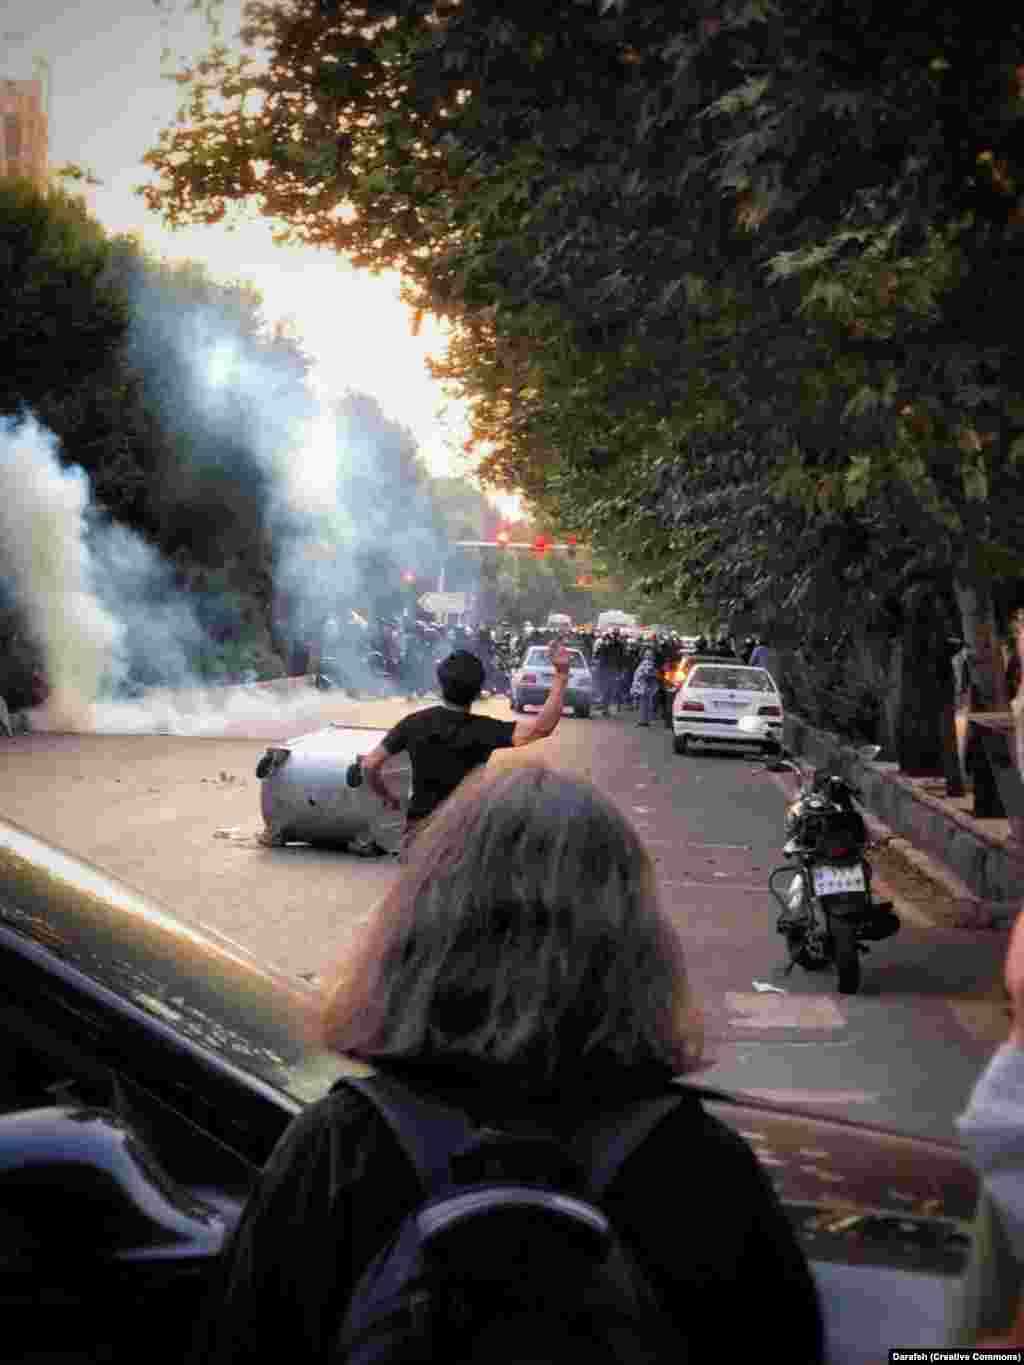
{"x": 752, "y": 1010}
{"x": 744, "y": 848}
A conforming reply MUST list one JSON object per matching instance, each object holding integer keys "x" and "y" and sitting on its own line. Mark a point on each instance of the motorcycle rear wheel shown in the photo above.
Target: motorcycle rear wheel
{"x": 846, "y": 955}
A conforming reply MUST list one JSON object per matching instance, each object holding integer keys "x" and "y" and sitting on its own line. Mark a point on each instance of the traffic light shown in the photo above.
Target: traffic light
{"x": 502, "y": 539}
{"x": 571, "y": 543}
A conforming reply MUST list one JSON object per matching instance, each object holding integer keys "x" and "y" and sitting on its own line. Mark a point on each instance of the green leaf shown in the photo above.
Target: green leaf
{"x": 828, "y": 292}
{"x": 975, "y": 480}
{"x": 858, "y": 480}
{"x": 744, "y": 96}
{"x": 865, "y": 400}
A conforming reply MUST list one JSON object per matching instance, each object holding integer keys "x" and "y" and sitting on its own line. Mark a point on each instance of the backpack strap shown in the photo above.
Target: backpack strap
{"x": 427, "y": 1131}
{"x": 602, "y": 1146}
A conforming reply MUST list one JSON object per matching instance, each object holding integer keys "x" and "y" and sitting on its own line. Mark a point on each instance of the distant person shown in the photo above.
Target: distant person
{"x": 645, "y": 686}
{"x": 447, "y": 742}
{"x": 523, "y": 970}
{"x": 759, "y": 654}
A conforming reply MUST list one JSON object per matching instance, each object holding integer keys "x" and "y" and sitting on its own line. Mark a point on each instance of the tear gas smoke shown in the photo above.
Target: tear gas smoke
{"x": 42, "y": 547}
{"x": 121, "y": 641}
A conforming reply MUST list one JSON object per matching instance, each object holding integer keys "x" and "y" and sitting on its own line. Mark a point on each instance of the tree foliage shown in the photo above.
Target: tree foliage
{"x": 735, "y": 283}
{"x": 198, "y": 430}
{"x": 60, "y": 319}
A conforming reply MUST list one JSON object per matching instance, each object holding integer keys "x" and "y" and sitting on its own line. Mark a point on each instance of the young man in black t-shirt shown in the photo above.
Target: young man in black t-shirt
{"x": 446, "y": 742}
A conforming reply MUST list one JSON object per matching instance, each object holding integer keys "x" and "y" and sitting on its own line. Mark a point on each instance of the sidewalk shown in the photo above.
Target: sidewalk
{"x": 977, "y": 868}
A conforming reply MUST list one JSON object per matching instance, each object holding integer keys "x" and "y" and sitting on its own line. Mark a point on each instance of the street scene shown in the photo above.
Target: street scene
{"x": 511, "y": 681}
{"x": 180, "y": 819}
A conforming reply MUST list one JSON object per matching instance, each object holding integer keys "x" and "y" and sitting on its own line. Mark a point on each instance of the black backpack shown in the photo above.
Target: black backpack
{"x": 509, "y": 1258}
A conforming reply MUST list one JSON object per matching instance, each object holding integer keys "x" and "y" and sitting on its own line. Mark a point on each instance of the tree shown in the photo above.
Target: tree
{"x": 687, "y": 327}
{"x": 60, "y": 318}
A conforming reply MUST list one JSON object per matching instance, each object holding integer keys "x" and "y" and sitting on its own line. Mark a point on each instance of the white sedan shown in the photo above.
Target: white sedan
{"x": 712, "y": 698}
{"x": 531, "y": 681}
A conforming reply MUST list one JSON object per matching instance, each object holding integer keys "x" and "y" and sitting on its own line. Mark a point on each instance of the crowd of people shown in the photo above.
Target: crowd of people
{"x": 403, "y": 654}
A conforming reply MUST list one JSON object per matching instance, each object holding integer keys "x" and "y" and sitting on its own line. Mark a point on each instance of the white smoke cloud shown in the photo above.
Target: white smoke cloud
{"x": 123, "y": 644}
{"x": 43, "y": 547}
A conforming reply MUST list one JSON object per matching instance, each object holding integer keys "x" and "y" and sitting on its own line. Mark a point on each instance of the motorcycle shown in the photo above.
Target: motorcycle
{"x": 828, "y": 915}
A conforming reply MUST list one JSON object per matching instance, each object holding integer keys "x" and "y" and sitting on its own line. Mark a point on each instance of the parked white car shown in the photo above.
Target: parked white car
{"x": 713, "y": 696}
{"x": 531, "y": 681}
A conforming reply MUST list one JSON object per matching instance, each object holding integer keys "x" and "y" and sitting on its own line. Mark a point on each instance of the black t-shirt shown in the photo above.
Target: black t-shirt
{"x": 443, "y": 746}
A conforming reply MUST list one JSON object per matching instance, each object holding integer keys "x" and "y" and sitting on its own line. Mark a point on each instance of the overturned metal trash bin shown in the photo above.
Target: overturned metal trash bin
{"x": 312, "y": 792}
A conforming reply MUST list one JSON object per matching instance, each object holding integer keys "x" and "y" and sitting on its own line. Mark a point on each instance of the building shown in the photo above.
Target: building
{"x": 24, "y": 131}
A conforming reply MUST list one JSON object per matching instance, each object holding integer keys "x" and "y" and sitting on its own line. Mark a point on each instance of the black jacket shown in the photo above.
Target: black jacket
{"x": 692, "y": 1202}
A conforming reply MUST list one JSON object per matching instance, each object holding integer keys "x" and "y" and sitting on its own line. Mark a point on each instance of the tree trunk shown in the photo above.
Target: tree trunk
{"x": 979, "y": 632}
{"x": 1017, "y": 707}
{"x": 892, "y": 705}
{"x": 926, "y": 690}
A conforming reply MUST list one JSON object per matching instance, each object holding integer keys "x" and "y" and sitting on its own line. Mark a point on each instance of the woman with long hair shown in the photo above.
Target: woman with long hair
{"x": 521, "y": 968}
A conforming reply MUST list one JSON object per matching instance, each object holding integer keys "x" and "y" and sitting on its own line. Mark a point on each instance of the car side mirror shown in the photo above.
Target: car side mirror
{"x": 74, "y": 1177}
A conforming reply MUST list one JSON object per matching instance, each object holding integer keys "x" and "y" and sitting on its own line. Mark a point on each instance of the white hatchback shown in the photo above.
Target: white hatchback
{"x": 713, "y": 697}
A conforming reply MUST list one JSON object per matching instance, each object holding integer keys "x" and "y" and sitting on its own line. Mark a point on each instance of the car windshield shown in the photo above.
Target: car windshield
{"x": 538, "y": 657}
{"x": 710, "y": 677}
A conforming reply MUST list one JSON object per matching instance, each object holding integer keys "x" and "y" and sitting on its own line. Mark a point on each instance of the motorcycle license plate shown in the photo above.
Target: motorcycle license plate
{"x": 834, "y": 881}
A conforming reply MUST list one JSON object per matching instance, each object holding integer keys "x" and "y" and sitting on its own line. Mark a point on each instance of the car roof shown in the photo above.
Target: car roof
{"x": 733, "y": 667}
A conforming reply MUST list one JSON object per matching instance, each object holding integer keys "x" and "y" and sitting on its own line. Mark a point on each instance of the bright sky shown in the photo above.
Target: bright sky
{"x": 109, "y": 103}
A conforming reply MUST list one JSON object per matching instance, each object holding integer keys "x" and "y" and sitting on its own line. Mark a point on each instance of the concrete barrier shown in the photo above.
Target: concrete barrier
{"x": 991, "y": 868}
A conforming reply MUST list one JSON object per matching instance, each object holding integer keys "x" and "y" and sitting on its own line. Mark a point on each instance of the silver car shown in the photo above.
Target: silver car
{"x": 531, "y": 681}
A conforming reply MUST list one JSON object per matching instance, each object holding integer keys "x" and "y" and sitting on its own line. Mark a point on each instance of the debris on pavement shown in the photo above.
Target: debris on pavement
{"x": 237, "y": 836}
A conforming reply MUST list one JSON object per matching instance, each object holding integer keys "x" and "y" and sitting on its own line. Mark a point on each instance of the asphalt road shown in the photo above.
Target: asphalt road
{"x": 178, "y": 816}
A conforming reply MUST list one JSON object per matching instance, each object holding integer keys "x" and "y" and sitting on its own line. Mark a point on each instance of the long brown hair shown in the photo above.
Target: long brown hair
{"x": 526, "y": 929}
